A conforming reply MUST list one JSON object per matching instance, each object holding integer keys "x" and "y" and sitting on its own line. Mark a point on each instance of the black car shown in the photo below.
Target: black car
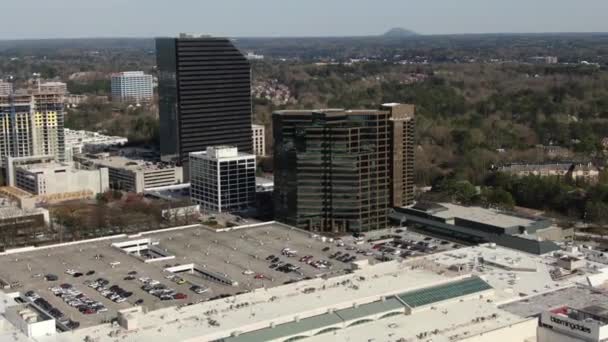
{"x": 91, "y": 272}
{"x": 132, "y": 273}
{"x": 50, "y": 277}
{"x": 139, "y": 302}
{"x": 326, "y": 249}
{"x": 78, "y": 275}
{"x": 129, "y": 277}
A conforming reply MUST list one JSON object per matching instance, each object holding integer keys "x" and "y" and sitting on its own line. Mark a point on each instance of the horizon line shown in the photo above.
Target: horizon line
{"x": 382, "y": 35}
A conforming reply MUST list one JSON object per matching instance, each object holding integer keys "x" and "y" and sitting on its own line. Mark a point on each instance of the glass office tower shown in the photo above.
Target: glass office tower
{"x": 204, "y": 96}
{"x": 341, "y": 171}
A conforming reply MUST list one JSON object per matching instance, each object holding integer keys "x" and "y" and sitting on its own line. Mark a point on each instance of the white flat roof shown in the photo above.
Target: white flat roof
{"x": 509, "y": 284}
{"x": 455, "y": 319}
{"x": 487, "y": 216}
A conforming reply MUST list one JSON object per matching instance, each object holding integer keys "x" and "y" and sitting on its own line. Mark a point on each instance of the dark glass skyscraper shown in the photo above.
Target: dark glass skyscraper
{"x": 342, "y": 170}
{"x": 204, "y": 96}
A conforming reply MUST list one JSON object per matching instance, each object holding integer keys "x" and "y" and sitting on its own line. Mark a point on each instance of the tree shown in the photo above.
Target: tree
{"x": 498, "y": 197}
{"x": 597, "y": 212}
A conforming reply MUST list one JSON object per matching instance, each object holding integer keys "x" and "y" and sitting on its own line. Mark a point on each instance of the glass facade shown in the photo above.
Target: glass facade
{"x": 205, "y": 96}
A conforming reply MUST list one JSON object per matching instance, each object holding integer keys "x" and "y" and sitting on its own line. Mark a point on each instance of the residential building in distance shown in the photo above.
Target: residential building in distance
{"x": 32, "y": 123}
{"x": 342, "y": 170}
{"x": 259, "y": 140}
{"x": 53, "y": 87}
{"x": 222, "y": 179}
{"x": 567, "y": 324}
{"x": 134, "y": 175}
{"x": 5, "y": 87}
{"x": 54, "y": 178}
{"x": 132, "y": 86}
{"x": 204, "y": 96}
{"x": 73, "y": 100}
{"x": 543, "y": 60}
{"x": 80, "y": 141}
{"x": 252, "y": 56}
{"x": 574, "y": 171}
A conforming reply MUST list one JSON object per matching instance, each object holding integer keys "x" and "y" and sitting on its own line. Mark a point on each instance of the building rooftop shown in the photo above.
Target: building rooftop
{"x": 220, "y": 152}
{"x": 372, "y": 301}
{"x": 12, "y": 212}
{"x": 564, "y": 167}
{"x": 89, "y": 137}
{"x": 488, "y": 216}
{"x": 444, "y": 292}
{"x": 121, "y": 162}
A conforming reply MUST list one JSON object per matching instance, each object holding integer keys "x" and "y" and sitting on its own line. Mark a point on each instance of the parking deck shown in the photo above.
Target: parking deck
{"x": 239, "y": 255}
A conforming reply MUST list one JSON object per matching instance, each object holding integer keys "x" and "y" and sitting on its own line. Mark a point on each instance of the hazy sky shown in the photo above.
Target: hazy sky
{"x": 146, "y": 18}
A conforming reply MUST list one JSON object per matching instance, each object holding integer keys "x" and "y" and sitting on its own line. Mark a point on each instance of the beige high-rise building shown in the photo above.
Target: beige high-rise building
{"x": 31, "y": 123}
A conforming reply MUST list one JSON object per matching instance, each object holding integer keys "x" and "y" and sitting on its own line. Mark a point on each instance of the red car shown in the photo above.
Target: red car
{"x": 180, "y": 296}
{"x": 259, "y": 276}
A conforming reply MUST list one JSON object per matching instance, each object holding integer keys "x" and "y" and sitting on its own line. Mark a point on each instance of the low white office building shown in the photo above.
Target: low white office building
{"x": 134, "y": 175}
{"x": 258, "y": 140}
{"x": 222, "y": 179}
{"x": 54, "y": 178}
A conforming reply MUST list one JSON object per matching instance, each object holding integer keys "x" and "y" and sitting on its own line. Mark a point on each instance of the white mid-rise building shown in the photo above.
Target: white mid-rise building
{"x": 132, "y": 86}
{"x": 222, "y": 179}
{"x": 58, "y": 178}
{"x": 259, "y": 148}
{"x": 134, "y": 175}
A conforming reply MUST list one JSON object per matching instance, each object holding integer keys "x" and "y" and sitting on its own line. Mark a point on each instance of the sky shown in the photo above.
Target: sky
{"x": 252, "y": 18}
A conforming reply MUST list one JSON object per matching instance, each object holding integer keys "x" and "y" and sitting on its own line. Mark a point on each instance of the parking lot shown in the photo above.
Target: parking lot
{"x": 207, "y": 265}
{"x": 240, "y": 255}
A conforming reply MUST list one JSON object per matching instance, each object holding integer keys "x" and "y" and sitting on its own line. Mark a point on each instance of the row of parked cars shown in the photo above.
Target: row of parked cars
{"x": 319, "y": 264}
{"x": 155, "y": 288}
{"x": 114, "y": 293}
{"x": 77, "y": 274}
{"x": 50, "y": 310}
{"x": 77, "y": 299}
{"x": 281, "y": 266}
{"x": 343, "y": 257}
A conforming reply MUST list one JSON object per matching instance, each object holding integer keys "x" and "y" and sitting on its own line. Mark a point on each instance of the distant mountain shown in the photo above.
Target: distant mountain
{"x": 399, "y": 32}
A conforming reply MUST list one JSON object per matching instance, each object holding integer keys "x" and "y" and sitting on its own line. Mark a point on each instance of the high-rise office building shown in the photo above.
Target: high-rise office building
{"x": 222, "y": 179}
{"x": 31, "y": 124}
{"x": 132, "y": 86}
{"x": 259, "y": 141}
{"x": 342, "y": 170}
{"x": 204, "y": 96}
